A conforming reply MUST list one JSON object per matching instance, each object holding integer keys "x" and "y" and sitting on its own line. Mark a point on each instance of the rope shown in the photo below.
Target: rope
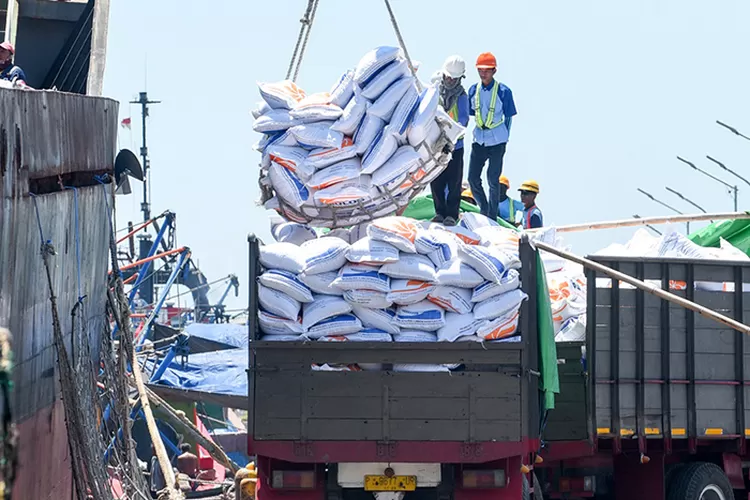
{"x": 307, "y": 36}
{"x": 305, "y": 21}
{"x": 402, "y": 44}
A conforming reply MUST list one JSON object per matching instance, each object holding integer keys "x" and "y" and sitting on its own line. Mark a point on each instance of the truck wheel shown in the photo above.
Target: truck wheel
{"x": 526, "y": 493}
{"x": 700, "y": 481}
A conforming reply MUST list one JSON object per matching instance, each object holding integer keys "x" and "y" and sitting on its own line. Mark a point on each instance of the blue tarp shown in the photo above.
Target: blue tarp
{"x": 220, "y": 372}
{"x": 229, "y": 334}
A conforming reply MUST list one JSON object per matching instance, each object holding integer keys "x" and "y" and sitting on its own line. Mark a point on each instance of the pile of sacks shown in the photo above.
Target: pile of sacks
{"x": 356, "y": 153}
{"x": 395, "y": 279}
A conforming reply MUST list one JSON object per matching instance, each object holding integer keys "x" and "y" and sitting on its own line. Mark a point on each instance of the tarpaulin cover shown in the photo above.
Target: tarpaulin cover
{"x": 220, "y": 372}
{"x": 228, "y": 334}
{"x": 736, "y": 232}
{"x": 422, "y": 208}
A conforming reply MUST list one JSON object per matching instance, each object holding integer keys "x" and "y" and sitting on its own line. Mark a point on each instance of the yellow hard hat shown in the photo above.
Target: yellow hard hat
{"x": 504, "y": 180}
{"x": 530, "y": 185}
{"x": 466, "y": 193}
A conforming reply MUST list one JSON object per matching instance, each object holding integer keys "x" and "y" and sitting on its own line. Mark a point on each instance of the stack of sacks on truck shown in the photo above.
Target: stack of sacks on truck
{"x": 567, "y": 282}
{"x": 392, "y": 280}
{"x": 356, "y": 153}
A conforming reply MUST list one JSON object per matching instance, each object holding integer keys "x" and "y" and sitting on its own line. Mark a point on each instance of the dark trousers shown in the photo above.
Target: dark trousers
{"x": 450, "y": 178}
{"x": 479, "y": 155}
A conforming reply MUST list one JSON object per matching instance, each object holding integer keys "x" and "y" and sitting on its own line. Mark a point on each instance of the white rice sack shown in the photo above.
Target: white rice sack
{"x": 411, "y": 266}
{"x": 502, "y": 237}
{"x": 384, "y": 79}
{"x": 281, "y": 95}
{"x": 283, "y": 256}
{"x": 324, "y": 157}
{"x": 346, "y": 170}
{"x": 367, "y": 298}
{"x": 382, "y": 148}
{"x": 322, "y": 308}
{"x": 317, "y": 135}
{"x": 465, "y": 235}
{"x": 345, "y": 193}
{"x": 500, "y": 328}
{"x": 282, "y": 139}
{"x": 398, "y": 231}
{"x": 277, "y": 303}
{"x": 373, "y": 252}
{"x": 407, "y": 292}
{"x": 343, "y": 324}
{"x": 315, "y": 108}
{"x": 405, "y": 110}
{"x": 286, "y": 282}
{"x": 453, "y": 130}
{"x": 423, "y": 315}
{"x": 321, "y": 283}
{"x": 424, "y": 116}
{"x": 358, "y": 232}
{"x": 458, "y": 274}
{"x": 440, "y": 246}
{"x": 367, "y": 131}
{"x": 420, "y": 368}
{"x": 361, "y": 277}
{"x": 457, "y": 326}
{"x": 294, "y": 233}
{"x": 352, "y": 115}
{"x": 473, "y": 221}
{"x": 271, "y": 324}
{"x": 288, "y": 186}
{"x": 426, "y": 149}
{"x": 364, "y": 335}
{"x": 490, "y": 262}
{"x": 500, "y": 305}
{"x": 276, "y": 120}
{"x": 404, "y": 160}
{"x": 261, "y": 109}
{"x": 415, "y": 336}
{"x": 291, "y": 158}
{"x": 510, "y": 281}
{"x": 343, "y": 91}
{"x": 374, "y": 61}
{"x": 382, "y": 319}
{"x": 284, "y": 338}
{"x": 452, "y": 298}
{"x": 388, "y": 100}
{"x": 323, "y": 255}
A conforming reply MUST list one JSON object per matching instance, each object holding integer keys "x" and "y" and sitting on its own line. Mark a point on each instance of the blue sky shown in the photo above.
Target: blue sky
{"x": 607, "y": 94}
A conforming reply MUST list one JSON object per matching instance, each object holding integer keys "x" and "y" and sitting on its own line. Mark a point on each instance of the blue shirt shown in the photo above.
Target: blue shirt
{"x": 505, "y": 108}
{"x": 504, "y": 210}
{"x": 463, "y": 115}
{"x": 532, "y": 217}
{"x": 13, "y": 73}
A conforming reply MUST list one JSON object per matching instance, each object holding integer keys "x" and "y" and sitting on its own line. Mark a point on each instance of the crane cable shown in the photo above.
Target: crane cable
{"x": 402, "y": 44}
{"x": 304, "y": 35}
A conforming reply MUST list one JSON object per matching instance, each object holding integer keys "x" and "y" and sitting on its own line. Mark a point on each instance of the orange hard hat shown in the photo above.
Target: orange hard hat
{"x": 486, "y": 61}
{"x": 504, "y": 180}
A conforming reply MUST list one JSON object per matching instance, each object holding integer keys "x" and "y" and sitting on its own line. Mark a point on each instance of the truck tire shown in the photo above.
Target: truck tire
{"x": 526, "y": 491}
{"x": 700, "y": 481}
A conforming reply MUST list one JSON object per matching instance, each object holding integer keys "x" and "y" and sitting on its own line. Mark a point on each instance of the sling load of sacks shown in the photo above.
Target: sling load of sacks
{"x": 356, "y": 153}
{"x": 395, "y": 279}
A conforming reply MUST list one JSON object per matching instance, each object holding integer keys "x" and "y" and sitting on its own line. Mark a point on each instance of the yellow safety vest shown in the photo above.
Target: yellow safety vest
{"x": 491, "y": 115}
{"x": 453, "y": 113}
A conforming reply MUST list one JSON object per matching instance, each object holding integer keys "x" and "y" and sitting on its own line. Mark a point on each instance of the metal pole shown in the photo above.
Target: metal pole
{"x": 720, "y": 164}
{"x": 652, "y": 198}
{"x": 725, "y": 184}
{"x": 144, "y": 102}
{"x": 733, "y": 130}
{"x": 736, "y": 194}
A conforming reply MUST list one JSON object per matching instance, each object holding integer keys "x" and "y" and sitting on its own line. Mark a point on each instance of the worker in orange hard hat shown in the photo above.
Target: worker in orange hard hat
{"x": 492, "y": 106}
{"x": 446, "y": 188}
{"x": 466, "y": 193}
{"x": 532, "y": 216}
{"x": 507, "y": 207}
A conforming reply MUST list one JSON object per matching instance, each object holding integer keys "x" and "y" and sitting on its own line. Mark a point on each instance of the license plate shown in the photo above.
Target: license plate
{"x": 393, "y": 483}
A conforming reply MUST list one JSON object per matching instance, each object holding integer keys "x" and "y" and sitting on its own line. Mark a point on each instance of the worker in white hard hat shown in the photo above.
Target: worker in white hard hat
{"x": 446, "y": 188}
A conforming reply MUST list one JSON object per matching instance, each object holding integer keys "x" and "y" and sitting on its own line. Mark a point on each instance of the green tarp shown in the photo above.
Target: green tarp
{"x": 422, "y": 208}
{"x": 736, "y": 232}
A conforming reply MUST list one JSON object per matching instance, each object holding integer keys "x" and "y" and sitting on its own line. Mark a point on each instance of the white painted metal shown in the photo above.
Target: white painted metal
{"x": 352, "y": 475}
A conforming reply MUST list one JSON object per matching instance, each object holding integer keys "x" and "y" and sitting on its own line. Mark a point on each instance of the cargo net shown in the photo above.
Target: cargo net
{"x": 354, "y": 154}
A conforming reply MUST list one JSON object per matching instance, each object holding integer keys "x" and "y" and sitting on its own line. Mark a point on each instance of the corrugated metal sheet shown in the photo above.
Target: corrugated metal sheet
{"x": 46, "y": 134}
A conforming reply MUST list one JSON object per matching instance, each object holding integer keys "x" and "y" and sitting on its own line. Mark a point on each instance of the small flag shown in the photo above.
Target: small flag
{"x": 125, "y": 123}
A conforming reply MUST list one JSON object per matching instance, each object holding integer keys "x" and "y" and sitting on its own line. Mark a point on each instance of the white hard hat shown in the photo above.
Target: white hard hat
{"x": 454, "y": 66}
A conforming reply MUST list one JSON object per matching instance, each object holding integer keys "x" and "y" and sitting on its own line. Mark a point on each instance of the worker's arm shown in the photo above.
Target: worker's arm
{"x": 535, "y": 221}
{"x": 508, "y": 121}
{"x": 470, "y": 98}
{"x": 463, "y": 109}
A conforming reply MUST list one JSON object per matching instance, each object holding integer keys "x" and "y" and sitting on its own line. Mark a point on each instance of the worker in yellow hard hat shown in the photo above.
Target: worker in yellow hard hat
{"x": 466, "y": 193}
{"x": 507, "y": 207}
{"x": 493, "y": 108}
{"x": 532, "y": 216}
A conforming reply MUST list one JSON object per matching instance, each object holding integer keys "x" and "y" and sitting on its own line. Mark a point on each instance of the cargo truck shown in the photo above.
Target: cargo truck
{"x": 651, "y": 406}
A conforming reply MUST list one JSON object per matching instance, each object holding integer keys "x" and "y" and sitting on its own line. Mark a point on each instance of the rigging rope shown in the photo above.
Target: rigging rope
{"x": 402, "y": 44}
{"x": 307, "y": 37}
{"x": 305, "y": 22}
